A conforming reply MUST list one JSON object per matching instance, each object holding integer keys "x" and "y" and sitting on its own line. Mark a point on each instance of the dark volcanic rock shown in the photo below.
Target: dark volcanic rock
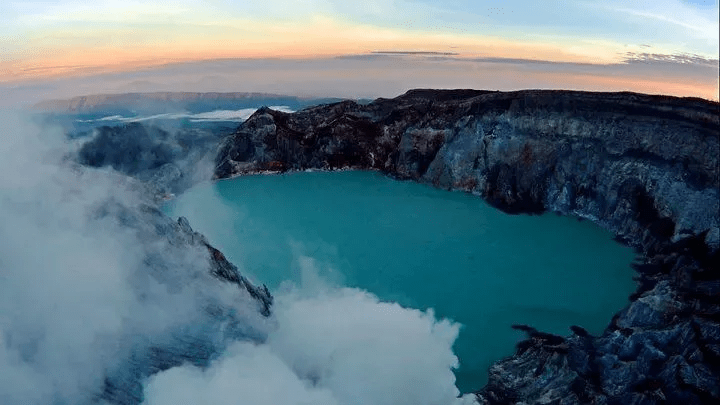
{"x": 176, "y": 258}
{"x": 221, "y": 268}
{"x": 644, "y": 167}
{"x": 129, "y": 149}
{"x": 167, "y": 160}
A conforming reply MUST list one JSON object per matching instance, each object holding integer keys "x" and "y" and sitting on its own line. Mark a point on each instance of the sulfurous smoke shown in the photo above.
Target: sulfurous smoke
{"x": 168, "y": 160}
{"x": 98, "y": 289}
{"x": 105, "y": 300}
{"x": 330, "y": 345}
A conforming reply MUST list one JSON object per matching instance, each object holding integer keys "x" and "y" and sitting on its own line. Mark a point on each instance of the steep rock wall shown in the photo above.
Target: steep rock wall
{"x": 644, "y": 167}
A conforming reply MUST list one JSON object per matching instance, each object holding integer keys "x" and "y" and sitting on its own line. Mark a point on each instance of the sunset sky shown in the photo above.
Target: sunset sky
{"x": 58, "y": 41}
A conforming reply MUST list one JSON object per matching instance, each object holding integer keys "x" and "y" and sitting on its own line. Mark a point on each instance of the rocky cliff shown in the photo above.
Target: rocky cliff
{"x": 171, "y": 248}
{"x": 168, "y": 161}
{"x": 644, "y": 167}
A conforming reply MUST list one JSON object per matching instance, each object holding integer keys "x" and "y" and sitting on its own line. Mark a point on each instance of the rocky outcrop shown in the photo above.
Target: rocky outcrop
{"x": 131, "y": 149}
{"x": 644, "y": 167}
{"x": 181, "y": 260}
{"x": 167, "y": 160}
{"x": 661, "y": 349}
{"x": 223, "y": 269}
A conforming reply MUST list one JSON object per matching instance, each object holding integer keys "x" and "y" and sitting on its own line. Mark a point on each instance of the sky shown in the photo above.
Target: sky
{"x": 59, "y": 39}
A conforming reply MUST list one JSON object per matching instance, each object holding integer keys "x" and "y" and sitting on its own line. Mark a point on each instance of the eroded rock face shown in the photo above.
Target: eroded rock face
{"x": 168, "y": 244}
{"x": 644, "y": 167}
{"x": 660, "y": 349}
{"x": 167, "y": 161}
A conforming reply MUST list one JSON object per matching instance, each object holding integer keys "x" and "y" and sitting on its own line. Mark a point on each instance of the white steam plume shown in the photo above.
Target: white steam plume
{"x": 330, "y": 346}
{"x": 86, "y": 281}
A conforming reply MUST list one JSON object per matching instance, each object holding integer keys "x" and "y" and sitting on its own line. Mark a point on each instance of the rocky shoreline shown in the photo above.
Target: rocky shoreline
{"x": 644, "y": 167}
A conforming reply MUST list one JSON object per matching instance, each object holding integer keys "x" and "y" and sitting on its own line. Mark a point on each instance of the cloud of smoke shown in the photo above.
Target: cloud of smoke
{"x": 209, "y": 116}
{"x": 88, "y": 282}
{"x": 330, "y": 346}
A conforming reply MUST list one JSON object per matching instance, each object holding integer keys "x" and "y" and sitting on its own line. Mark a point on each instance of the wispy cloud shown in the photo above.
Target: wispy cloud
{"x": 115, "y": 32}
{"x": 88, "y": 282}
{"x": 675, "y": 25}
{"x": 72, "y": 38}
{"x": 210, "y": 116}
{"x": 683, "y": 59}
{"x": 383, "y": 75}
{"x": 131, "y": 11}
{"x": 415, "y": 53}
{"x": 684, "y": 17}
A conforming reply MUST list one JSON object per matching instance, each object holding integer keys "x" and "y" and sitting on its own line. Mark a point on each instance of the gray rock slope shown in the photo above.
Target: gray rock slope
{"x": 169, "y": 161}
{"x": 644, "y": 167}
{"x": 183, "y": 262}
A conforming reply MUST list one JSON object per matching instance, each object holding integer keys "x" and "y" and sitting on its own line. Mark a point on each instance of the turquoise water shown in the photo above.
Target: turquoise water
{"x": 422, "y": 247}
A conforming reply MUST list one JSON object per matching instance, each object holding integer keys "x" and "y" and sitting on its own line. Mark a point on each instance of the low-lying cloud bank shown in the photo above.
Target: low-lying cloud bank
{"x": 99, "y": 291}
{"x": 341, "y": 346}
{"x": 209, "y": 116}
{"x": 387, "y": 75}
{"x": 89, "y": 284}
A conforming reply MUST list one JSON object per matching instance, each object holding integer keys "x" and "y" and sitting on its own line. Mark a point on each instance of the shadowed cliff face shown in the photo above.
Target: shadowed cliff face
{"x": 219, "y": 322}
{"x": 644, "y": 167}
{"x": 168, "y": 161}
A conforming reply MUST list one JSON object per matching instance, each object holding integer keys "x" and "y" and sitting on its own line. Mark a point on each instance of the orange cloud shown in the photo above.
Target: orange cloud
{"x": 83, "y": 50}
{"x": 114, "y": 47}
